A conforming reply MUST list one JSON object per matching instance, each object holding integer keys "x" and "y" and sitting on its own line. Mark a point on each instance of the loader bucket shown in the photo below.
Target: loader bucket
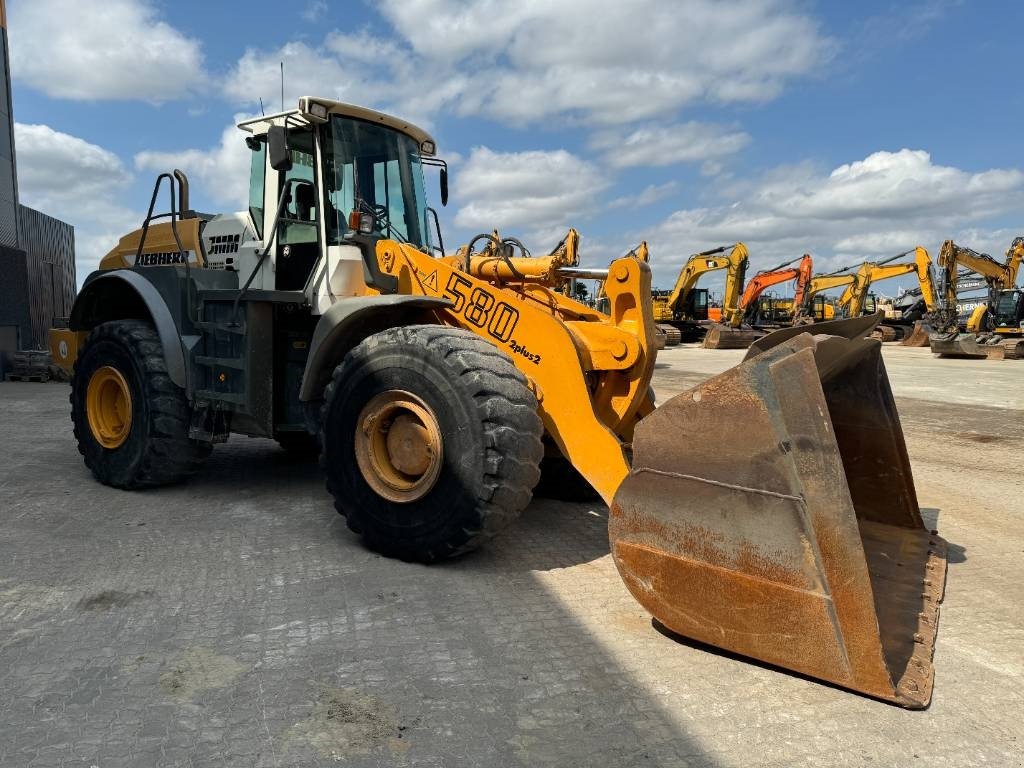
{"x": 919, "y": 336}
{"x": 721, "y": 336}
{"x": 771, "y": 512}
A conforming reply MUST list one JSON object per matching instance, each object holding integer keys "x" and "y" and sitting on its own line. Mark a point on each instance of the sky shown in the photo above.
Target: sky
{"x": 846, "y": 130}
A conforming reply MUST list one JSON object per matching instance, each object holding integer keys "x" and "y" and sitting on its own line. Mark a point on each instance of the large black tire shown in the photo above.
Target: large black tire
{"x": 157, "y": 449}
{"x": 489, "y": 427}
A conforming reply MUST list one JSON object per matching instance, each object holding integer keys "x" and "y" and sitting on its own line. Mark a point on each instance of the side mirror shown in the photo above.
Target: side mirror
{"x": 277, "y": 147}
{"x": 444, "y": 186}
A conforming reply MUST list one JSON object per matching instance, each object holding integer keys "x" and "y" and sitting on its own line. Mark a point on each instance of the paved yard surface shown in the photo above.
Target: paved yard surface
{"x": 234, "y": 621}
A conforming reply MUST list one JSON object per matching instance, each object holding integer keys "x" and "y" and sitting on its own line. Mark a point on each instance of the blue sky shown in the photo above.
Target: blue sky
{"x": 849, "y": 130}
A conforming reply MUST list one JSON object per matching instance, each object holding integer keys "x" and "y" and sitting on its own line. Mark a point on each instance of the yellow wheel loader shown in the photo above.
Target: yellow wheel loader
{"x": 431, "y": 383}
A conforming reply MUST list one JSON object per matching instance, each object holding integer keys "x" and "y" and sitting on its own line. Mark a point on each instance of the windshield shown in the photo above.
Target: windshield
{"x": 1006, "y": 307}
{"x": 374, "y": 169}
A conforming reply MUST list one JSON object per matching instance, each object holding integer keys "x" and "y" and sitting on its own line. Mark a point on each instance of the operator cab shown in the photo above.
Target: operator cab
{"x": 329, "y": 170}
{"x": 1009, "y": 309}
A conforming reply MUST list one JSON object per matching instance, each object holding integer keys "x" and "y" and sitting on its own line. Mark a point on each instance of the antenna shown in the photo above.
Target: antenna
{"x": 262, "y": 112}
{"x": 282, "y": 86}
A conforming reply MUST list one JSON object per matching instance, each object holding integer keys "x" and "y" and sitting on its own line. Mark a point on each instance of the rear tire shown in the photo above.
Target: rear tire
{"x": 143, "y": 439}
{"x": 481, "y": 441}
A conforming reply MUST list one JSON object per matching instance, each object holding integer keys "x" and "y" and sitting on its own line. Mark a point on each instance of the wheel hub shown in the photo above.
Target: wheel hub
{"x": 108, "y": 406}
{"x": 398, "y": 446}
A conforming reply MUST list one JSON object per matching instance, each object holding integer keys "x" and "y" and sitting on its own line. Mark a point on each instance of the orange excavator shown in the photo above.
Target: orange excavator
{"x": 739, "y": 328}
{"x": 762, "y": 281}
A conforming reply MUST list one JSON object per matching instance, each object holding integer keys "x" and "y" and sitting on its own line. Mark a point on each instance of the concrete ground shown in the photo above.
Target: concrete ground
{"x": 235, "y": 621}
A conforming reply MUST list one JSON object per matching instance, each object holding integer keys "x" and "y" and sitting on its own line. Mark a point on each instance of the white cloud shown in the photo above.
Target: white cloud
{"x": 660, "y": 145}
{"x": 878, "y": 206}
{"x": 116, "y": 49}
{"x": 537, "y": 191}
{"x": 649, "y": 195}
{"x": 529, "y": 62}
{"x": 75, "y": 181}
{"x": 222, "y": 172}
{"x": 314, "y": 11}
{"x": 629, "y": 61}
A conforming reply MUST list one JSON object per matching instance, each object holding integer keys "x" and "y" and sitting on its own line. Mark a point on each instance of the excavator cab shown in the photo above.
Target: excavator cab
{"x": 1008, "y": 311}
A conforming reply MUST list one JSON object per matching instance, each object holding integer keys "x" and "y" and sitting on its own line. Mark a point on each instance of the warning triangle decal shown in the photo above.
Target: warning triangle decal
{"x": 430, "y": 281}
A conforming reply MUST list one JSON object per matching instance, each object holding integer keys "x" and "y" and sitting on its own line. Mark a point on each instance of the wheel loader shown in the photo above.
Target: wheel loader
{"x": 328, "y": 310}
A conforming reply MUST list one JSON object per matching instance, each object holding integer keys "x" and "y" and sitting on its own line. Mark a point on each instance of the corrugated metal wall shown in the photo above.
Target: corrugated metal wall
{"x": 50, "y": 247}
{"x": 8, "y": 175}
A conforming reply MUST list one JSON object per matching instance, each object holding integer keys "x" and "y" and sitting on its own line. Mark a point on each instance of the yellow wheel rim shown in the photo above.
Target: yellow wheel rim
{"x": 108, "y": 405}
{"x": 398, "y": 446}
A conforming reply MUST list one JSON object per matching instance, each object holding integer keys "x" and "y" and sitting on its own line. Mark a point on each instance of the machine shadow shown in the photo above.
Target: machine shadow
{"x": 955, "y": 553}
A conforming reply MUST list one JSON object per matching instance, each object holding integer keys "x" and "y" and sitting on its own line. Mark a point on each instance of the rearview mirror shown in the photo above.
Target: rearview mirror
{"x": 444, "y": 186}
{"x": 277, "y": 148}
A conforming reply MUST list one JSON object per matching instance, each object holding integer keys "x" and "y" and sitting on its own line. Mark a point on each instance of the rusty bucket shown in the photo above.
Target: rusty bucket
{"x": 771, "y": 512}
{"x": 918, "y": 337}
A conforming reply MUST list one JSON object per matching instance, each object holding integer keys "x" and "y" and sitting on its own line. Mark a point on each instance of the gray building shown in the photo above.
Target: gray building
{"x": 37, "y": 252}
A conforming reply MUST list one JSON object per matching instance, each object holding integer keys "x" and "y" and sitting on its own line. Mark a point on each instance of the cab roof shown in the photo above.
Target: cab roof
{"x": 304, "y": 113}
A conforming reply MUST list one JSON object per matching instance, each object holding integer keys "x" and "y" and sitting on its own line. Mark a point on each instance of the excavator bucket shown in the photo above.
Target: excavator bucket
{"x": 720, "y": 336}
{"x": 919, "y": 336}
{"x": 964, "y": 345}
{"x": 771, "y": 512}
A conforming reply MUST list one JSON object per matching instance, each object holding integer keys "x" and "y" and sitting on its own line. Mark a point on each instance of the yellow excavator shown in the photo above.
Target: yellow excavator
{"x": 328, "y": 316}
{"x": 813, "y": 308}
{"x": 857, "y": 300}
{"x": 993, "y": 329}
{"x": 683, "y": 311}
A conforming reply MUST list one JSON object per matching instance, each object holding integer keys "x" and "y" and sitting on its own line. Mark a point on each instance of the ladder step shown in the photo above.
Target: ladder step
{"x": 224, "y": 397}
{"x": 208, "y": 325}
{"x": 221, "y": 362}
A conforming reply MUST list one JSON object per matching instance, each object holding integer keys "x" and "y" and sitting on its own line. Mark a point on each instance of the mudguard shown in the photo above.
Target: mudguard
{"x": 347, "y": 323}
{"x": 130, "y": 288}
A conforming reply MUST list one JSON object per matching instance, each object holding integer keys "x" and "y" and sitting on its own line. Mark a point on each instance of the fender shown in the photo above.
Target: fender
{"x": 350, "y": 321}
{"x": 140, "y": 294}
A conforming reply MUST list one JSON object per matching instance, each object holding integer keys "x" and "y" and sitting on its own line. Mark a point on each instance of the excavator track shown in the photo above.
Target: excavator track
{"x": 673, "y": 336}
{"x": 1013, "y": 349}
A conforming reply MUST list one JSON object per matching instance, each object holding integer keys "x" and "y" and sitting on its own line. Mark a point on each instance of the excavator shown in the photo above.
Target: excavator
{"x": 327, "y": 312}
{"x": 994, "y": 329}
{"x": 856, "y": 296}
{"x": 683, "y": 312}
{"x": 738, "y": 328}
{"x": 856, "y": 299}
{"x": 813, "y": 309}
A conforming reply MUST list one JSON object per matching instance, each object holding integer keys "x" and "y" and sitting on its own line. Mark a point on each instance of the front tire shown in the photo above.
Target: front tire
{"x": 431, "y": 441}
{"x": 130, "y": 420}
